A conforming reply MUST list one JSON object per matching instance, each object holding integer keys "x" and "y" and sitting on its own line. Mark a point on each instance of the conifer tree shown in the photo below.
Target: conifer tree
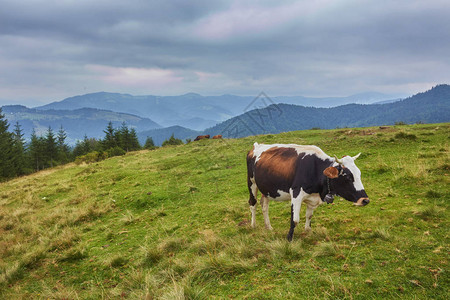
{"x": 51, "y": 150}
{"x": 18, "y": 146}
{"x": 6, "y": 151}
{"x": 110, "y": 140}
{"x": 134, "y": 141}
{"x": 123, "y": 137}
{"x": 172, "y": 141}
{"x": 63, "y": 148}
{"x": 36, "y": 151}
{"x": 149, "y": 144}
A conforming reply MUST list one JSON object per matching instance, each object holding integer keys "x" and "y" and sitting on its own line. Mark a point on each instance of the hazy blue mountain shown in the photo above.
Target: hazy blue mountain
{"x": 162, "y": 134}
{"x": 361, "y": 98}
{"x": 196, "y": 111}
{"x": 76, "y": 123}
{"x": 432, "y": 106}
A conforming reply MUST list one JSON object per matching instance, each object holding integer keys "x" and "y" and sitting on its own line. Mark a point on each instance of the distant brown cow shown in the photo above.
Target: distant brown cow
{"x": 201, "y": 137}
{"x": 219, "y": 136}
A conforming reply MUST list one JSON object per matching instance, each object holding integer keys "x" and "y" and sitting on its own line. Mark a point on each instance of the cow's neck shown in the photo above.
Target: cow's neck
{"x": 326, "y": 183}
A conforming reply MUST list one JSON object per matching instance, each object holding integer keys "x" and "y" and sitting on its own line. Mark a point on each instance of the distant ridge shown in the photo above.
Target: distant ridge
{"x": 162, "y": 134}
{"x": 193, "y": 110}
{"x": 432, "y": 106}
{"x": 76, "y": 123}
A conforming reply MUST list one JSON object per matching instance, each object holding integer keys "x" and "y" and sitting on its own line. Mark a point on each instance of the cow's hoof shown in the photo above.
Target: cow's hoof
{"x": 289, "y": 237}
{"x": 269, "y": 227}
{"x": 308, "y": 229}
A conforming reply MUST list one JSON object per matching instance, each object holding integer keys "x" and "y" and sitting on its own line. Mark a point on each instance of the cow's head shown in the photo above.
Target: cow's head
{"x": 345, "y": 180}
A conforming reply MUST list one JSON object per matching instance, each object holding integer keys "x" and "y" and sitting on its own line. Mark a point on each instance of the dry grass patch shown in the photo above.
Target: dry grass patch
{"x": 325, "y": 249}
{"x": 282, "y": 249}
{"x": 221, "y": 265}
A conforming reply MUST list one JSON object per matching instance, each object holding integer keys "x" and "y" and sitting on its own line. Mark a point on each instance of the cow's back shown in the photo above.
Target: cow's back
{"x": 272, "y": 168}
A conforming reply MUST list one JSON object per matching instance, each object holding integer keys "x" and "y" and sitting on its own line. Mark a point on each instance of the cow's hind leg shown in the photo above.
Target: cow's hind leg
{"x": 253, "y": 189}
{"x": 309, "y": 214}
{"x": 265, "y": 210}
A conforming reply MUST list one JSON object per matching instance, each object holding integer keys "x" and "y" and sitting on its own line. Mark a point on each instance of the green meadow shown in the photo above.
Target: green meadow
{"x": 174, "y": 223}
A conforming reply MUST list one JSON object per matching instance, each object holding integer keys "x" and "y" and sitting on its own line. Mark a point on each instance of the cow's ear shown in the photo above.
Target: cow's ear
{"x": 331, "y": 172}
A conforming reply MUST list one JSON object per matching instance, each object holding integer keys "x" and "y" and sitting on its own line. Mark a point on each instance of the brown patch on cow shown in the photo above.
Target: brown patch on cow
{"x": 219, "y": 136}
{"x": 279, "y": 161}
{"x": 331, "y": 172}
{"x": 251, "y": 153}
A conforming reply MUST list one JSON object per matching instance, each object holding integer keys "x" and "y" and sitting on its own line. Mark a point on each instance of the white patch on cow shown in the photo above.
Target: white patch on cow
{"x": 313, "y": 200}
{"x": 283, "y": 196}
{"x": 297, "y": 203}
{"x": 253, "y": 187}
{"x": 349, "y": 163}
{"x": 306, "y": 149}
{"x": 253, "y": 211}
{"x": 265, "y": 210}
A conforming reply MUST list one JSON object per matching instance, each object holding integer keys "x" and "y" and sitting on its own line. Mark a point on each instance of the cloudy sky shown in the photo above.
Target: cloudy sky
{"x": 52, "y": 49}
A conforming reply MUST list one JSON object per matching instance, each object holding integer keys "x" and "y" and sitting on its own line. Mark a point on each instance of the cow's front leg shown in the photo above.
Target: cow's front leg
{"x": 265, "y": 210}
{"x": 291, "y": 230}
{"x": 296, "y": 203}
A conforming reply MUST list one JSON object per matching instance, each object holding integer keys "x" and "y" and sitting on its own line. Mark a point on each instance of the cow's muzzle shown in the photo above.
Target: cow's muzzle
{"x": 362, "y": 202}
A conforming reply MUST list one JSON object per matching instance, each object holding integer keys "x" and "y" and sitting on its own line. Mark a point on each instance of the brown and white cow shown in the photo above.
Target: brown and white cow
{"x": 201, "y": 137}
{"x": 298, "y": 173}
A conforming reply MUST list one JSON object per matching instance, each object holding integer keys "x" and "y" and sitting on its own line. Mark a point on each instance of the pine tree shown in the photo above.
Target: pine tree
{"x": 134, "y": 141}
{"x": 18, "y": 146}
{"x": 36, "y": 151}
{"x": 172, "y": 141}
{"x": 86, "y": 145}
{"x": 149, "y": 144}
{"x": 78, "y": 149}
{"x": 51, "y": 149}
{"x": 110, "y": 140}
{"x": 123, "y": 136}
{"x": 6, "y": 151}
{"x": 63, "y": 148}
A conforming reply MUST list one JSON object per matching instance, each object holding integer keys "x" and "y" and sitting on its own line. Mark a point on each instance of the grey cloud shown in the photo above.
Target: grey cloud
{"x": 296, "y": 47}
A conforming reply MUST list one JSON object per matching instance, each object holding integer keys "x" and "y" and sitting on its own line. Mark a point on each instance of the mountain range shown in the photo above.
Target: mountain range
{"x": 432, "y": 106}
{"x": 195, "y": 111}
{"x": 76, "y": 123}
{"x": 188, "y": 115}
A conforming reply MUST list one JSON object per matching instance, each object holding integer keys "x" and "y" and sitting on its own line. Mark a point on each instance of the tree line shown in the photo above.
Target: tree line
{"x": 19, "y": 157}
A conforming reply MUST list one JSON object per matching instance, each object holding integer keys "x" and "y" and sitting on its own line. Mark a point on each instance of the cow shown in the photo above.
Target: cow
{"x": 298, "y": 173}
{"x": 201, "y": 137}
{"x": 219, "y": 136}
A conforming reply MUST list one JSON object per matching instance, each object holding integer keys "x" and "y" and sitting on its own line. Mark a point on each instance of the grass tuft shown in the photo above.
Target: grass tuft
{"x": 381, "y": 233}
{"x": 284, "y": 250}
{"x": 172, "y": 245}
{"x": 430, "y": 212}
{"x": 222, "y": 266}
{"x": 150, "y": 256}
{"x": 117, "y": 261}
{"x": 74, "y": 255}
{"x": 325, "y": 249}
{"x": 405, "y": 136}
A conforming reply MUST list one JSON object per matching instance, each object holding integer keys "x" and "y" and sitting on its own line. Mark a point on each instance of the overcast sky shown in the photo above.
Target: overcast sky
{"x": 53, "y": 49}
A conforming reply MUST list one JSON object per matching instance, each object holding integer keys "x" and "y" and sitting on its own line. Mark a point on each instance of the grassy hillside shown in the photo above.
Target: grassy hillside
{"x": 173, "y": 223}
